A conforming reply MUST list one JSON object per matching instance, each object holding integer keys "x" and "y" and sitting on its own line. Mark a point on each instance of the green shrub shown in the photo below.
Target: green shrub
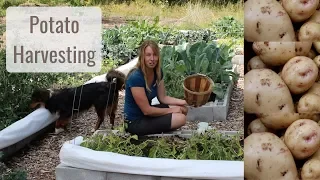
{"x": 227, "y": 27}
{"x": 122, "y": 43}
{"x": 8, "y": 174}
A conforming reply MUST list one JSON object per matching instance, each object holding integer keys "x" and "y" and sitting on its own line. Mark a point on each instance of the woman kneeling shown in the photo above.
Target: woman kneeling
{"x": 145, "y": 82}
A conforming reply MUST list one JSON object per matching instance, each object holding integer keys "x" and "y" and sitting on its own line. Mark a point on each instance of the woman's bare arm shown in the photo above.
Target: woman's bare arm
{"x": 163, "y": 98}
{"x": 140, "y": 97}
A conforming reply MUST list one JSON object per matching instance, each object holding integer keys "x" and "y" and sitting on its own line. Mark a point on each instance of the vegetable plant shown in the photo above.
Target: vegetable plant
{"x": 212, "y": 145}
{"x": 210, "y": 59}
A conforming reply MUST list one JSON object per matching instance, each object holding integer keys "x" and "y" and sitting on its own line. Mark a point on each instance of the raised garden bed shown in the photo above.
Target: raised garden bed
{"x": 213, "y": 110}
{"x": 174, "y": 156}
{"x": 211, "y": 59}
{"x": 14, "y": 148}
{"x": 19, "y": 134}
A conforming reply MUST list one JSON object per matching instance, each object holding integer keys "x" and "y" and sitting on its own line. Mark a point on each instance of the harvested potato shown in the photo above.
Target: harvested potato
{"x": 312, "y": 54}
{"x": 315, "y": 17}
{"x": 299, "y": 74}
{"x": 316, "y": 45}
{"x": 316, "y": 155}
{"x": 309, "y": 31}
{"x": 274, "y": 53}
{"x": 303, "y": 48}
{"x": 267, "y": 20}
{"x": 302, "y": 137}
{"x": 311, "y": 170}
{"x": 298, "y": 10}
{"x": 313, "y": 116}
{"x": 267, "y": 96}
{"x": 315, "y": 89}
{"x": 255, "y": 63}
{"x": 278, "y": 120}
{"x": 266, "y": 157}
{"x": 309, "y": 103}
{"x": 257, "y": 126}
{"x": 317, "y": 61}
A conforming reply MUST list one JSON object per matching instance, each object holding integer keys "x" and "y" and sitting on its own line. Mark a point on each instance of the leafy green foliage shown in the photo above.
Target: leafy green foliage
{"x": 14, "y": 175}
{"x": 211, "y": 59}
{"x": 8, "y": 174}
{"x": 122, "y": 43}
{"x": 212, "y": 145}
{"x": 228, "y": 26}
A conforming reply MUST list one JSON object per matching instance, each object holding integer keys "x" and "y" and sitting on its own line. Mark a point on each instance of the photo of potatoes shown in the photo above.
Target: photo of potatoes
{"x": 281, "y": 20}
{"x": 282, "y": 110}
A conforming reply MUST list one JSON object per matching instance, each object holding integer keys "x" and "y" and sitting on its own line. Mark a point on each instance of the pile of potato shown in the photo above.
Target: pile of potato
{"x": 282, "y": 91}
{"x": 284, "y": 20}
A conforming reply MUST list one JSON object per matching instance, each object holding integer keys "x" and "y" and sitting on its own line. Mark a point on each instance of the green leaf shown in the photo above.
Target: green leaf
{"x": 153, "y": 152}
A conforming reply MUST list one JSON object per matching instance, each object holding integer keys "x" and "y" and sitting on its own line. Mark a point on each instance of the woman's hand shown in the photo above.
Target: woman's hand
{"x": 175, "y": 109}
{"x": 181, "y": 102}
{"x": 184, "y": 103}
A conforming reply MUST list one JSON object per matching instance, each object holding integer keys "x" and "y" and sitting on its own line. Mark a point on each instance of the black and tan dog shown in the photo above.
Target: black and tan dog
{"x": 102, "y": 95}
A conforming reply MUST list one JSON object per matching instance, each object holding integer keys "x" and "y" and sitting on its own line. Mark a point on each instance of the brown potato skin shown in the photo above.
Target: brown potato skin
{"x": 299, "y": 74}
{"x": 302, "y": 137}
{"x": 266, "y": 157}
{"x": 267, "y": 20}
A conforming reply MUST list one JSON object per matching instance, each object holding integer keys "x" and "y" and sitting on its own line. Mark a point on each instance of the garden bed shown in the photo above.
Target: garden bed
{"x": 39, "y": 160}
{"x": 19, "y": 134}
{"x": 208, "y": 156}
{"x": 42, "y": 155}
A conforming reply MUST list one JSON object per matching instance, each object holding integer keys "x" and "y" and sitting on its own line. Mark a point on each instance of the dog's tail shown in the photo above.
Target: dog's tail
{"x": 117, "y": 77}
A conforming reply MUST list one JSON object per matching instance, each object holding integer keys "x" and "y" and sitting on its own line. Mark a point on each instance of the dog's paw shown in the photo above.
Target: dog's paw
{"x": 58, "y": 130}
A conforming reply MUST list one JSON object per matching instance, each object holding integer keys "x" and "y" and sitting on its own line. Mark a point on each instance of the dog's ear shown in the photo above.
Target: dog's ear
{"x": 39, "y": 97}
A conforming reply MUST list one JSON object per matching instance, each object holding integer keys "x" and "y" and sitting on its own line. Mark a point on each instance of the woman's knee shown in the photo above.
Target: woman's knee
{"x": 178, "y": 120}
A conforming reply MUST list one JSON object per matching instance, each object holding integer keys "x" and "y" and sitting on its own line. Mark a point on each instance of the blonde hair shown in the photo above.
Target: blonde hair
{"x": 141, "y": 63}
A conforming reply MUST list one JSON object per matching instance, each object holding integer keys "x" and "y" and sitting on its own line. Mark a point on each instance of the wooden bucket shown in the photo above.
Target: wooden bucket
{"x": 197, "y": 89}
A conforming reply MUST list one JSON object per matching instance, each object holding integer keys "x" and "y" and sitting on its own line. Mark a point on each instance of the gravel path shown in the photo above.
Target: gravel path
{"x": 41, "y": 157}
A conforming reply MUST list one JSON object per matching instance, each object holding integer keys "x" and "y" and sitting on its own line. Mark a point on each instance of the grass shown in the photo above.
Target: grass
{"x": 188, "y": 16}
